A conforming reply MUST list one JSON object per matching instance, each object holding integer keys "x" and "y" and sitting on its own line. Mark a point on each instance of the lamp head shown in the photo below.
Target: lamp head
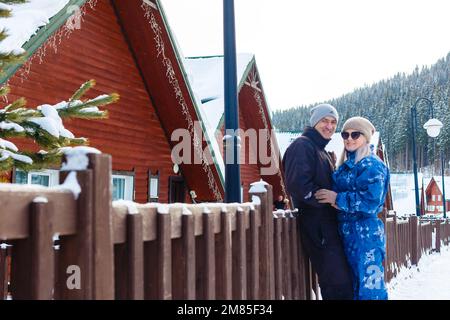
{"x": 433, "y": 127}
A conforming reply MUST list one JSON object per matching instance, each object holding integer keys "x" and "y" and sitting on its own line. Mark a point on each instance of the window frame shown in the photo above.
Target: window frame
{"x": 150, "y": 197}
{"x": 129, "y": 177}
{"x": 53, "y": 175}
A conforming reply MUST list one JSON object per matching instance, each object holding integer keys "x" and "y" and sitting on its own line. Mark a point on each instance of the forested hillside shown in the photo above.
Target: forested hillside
{"x": 387, "y": 104}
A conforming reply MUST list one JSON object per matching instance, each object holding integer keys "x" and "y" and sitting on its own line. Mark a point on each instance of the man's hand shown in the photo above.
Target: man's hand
{"x": 326, "y": 196}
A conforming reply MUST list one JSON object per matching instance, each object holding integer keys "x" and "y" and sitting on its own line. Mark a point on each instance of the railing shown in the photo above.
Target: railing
{"x": 122, "y": 250}
{"x": 407, "y": 239}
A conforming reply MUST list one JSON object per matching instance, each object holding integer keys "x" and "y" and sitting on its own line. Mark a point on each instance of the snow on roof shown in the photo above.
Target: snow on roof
{"x": 206, "y": 77}
{"x": 25, "y": 20}
{"x": 336, "y": 144}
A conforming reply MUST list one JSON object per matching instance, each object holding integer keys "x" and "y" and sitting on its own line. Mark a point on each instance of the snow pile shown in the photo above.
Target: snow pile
{"x": 52, "y": 122}
{"x": 71, "y": 184}
{"x": 429, "y": 280}
{"x": 76, "y": 157}
{"x": 40, "y": 199}
{"x": 258, "y": 187}
{"x": 25, "y": 21}
{"x": 131, "y": 206}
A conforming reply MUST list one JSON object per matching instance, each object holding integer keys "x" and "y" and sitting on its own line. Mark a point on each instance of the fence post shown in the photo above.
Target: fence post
{"x": 263, "y": 191}
{"x": 224, "y": 259}
{"x": 76, "y": 258}
{"x": 437, "y": 237}
{"x": 135, "y": 256}
{"x": 3, "y": 271}
{"x": 42, "y": 260}
{"x": 32, "y": 268}
{"x": 414, "y": 239}
{"x": 253, "y": 256}
{"x": 103, "y": 247}
{"x": 239, "y": 258}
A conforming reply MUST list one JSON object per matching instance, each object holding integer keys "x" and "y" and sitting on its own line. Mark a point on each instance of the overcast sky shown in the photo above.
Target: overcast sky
{"x": 308, "y": 51}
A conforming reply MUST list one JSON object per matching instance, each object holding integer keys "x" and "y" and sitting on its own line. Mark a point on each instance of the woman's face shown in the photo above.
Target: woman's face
{"x": 352, "y": 144}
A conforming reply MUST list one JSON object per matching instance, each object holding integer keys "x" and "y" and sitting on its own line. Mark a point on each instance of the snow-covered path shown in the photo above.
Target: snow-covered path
{"x": 430, "y": 280}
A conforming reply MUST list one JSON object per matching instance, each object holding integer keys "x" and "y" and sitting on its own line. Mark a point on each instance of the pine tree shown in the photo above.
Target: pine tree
{"x": 43, "y": 124}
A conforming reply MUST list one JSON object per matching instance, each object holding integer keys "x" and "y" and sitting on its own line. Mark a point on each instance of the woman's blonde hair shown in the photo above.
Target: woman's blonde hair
{"x": 361, "y": 153}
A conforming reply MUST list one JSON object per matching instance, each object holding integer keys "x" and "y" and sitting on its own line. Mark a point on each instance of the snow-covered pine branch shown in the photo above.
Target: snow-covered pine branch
{"x": 45, "y": 126}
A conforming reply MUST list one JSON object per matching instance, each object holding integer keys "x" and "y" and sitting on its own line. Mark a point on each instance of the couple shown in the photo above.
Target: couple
{"x": 338, "y": 221}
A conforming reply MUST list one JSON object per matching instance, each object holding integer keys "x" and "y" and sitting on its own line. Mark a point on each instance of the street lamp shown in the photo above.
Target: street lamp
{"x": 443, "y": 185}
{"x": 232, "y": 170}
{"x": 433, "y": 127}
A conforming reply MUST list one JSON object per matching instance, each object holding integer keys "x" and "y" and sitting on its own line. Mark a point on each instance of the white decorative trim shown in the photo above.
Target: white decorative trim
{"x": 253, "y": 83}
{"x": 151, "y": 4}
{"x": 171, "y": 76}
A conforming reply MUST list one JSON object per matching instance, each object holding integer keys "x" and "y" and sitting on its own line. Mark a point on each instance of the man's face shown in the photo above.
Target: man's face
{"x": 326, "y": 127}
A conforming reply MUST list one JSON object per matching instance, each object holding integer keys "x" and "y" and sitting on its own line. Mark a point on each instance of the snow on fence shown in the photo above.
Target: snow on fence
{"x": 407, "y": 239}
{"x": 123, "y": 250}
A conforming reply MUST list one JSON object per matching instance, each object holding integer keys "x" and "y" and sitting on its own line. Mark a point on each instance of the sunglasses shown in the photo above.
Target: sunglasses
{"x": 355, "y": 135}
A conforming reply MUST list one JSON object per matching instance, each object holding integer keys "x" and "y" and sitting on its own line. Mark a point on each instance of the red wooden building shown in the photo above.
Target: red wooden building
{"x": 433, "y": 197}
{"x": 128, "y": 48}
{"x": 259, "y": 148}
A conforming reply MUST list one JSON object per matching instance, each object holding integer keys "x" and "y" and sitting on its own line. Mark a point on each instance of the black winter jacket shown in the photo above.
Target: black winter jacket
{"x": 308, "y": 168}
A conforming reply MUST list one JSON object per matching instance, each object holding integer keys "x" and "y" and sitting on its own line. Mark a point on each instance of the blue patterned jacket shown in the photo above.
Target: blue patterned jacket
{"x": 361, "y": 187}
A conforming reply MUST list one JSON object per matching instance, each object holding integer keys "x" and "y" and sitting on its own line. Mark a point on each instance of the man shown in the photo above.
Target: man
{"x": 280, "y": 203}
{"x": 308, "y": 168}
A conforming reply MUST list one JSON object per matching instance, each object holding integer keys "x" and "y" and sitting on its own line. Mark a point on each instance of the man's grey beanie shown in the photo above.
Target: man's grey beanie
{"x": 321, "y": 111}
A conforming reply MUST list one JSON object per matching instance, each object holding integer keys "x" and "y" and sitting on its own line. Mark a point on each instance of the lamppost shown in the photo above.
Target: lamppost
{"x": 231, "y": 143}
{"x": 433, "y": 127}
{"x": 443, "y": 185}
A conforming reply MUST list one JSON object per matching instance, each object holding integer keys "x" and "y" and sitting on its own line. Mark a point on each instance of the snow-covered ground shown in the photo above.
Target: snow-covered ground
{"x": 430, "y": 280}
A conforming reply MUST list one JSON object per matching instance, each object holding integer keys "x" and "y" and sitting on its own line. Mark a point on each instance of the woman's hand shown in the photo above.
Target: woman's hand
{"x": 326, "y": 196}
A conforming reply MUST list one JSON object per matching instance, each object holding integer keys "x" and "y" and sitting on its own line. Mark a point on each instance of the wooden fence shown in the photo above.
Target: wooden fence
{"x": 407, "y": 239}
{"x": 123, "y": 250}
{"x": 151, "y": 251}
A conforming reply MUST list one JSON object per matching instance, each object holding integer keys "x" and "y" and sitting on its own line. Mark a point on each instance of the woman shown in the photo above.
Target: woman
{"x": 360, "y": 185}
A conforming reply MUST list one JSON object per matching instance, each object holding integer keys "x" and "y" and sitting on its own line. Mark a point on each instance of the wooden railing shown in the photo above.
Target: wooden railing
{"x": 407, "y": 239}
{"x": 123, "y": 250}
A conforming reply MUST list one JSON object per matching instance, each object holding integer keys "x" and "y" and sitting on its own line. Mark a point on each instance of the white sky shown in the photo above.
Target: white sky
{"x": 309, "y": 51}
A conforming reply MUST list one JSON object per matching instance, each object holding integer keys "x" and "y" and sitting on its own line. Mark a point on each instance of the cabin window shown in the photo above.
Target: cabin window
{"x": 431, "y": 208}
{"x": 153, "y": 186}
{"x": 47, "y": 178}
{"x": 433, "y": 197}
{"x": 122, "y": 186}
{"x": 439, "y": 198}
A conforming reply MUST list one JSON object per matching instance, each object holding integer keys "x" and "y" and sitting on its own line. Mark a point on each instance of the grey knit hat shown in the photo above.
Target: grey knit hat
{"x": 321, "y": 111}
{"x": 362, "y": 125}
